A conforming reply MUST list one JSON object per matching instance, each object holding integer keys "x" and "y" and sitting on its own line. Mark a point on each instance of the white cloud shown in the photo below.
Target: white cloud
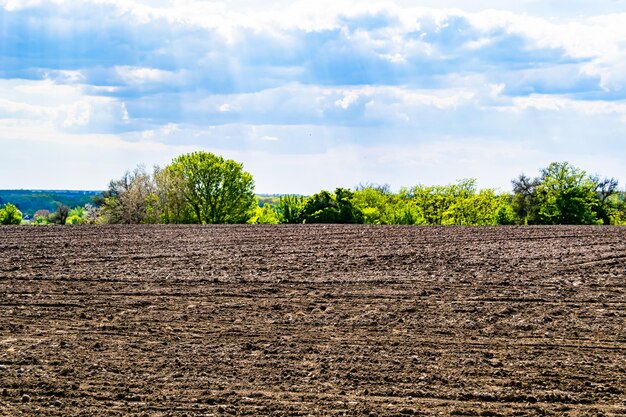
{"x": 584, "y": 108}
{"x": 225, "y": 108}
{"x": 67, "y": 107}
{"x": 347, "y": 100}
{"x": 138, "y": 75}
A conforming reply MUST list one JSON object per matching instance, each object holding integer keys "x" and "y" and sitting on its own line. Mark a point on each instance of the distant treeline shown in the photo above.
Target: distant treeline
{"x": 31, "y": 201}
{"x": 202, "y": 188}
{"x": 44, "y": 203}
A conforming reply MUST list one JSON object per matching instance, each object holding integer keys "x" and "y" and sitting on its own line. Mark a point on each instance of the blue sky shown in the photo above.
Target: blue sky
{"x": 311, "y": 95}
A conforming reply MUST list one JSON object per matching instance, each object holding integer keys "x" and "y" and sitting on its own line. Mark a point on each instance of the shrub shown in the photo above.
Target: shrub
{"x": 9, "y": 214}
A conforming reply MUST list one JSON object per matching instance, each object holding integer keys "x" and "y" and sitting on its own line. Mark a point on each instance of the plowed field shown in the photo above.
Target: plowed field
{"x": 312, "y": 320}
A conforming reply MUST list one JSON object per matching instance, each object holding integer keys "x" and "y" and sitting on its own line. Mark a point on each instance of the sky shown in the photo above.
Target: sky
{"x": 311, "y": 95}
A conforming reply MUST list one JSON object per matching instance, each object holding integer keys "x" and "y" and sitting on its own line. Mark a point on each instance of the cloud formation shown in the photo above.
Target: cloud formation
{"x": 306, "y": 82}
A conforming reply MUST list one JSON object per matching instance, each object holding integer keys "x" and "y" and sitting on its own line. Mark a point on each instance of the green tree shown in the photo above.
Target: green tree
{"x": 9, "y": 214}
{"x": 289, "y": 208}
{"x": 320, "y": 208}
{"x": 174, "y": 208}
{"x": 325, "y": 207}
{"x": 372, "y": 202}
{"x": 566, "y": 195}
{"x": 505, "y": 215}
{"x": 348, "y": 213}
{"x": 563, "y": 194}
{"x": 264, "y": 215}
{"x": 218, "y": 190}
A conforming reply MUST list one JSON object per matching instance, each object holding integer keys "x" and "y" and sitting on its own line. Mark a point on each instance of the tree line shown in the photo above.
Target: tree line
{"x": 202, "y": 188}
{"x": 31, "y": 201}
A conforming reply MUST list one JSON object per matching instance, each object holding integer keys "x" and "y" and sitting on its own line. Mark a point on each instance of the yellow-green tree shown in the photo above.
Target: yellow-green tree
{"x": 217, "y": 190}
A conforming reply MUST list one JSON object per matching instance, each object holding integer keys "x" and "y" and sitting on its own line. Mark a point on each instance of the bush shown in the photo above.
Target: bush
{"x": 264, "y": 215}
{"x": 9, "y": 214}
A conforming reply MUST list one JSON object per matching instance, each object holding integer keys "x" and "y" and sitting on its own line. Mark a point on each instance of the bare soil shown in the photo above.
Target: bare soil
{"x": 312, "y": 320}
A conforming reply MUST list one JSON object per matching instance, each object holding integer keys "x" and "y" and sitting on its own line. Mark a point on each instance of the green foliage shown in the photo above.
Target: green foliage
{"x": 564, "y": 194}
{"x": 264, "y": 215}
{"x": 290, "y": 208}
{"x": 505, "y": 215}
{"x": 74, "y": 220}
{"x": 89, "y": 214}
{"x": 325, "y": 207}
{"x": 372, "y": 201}
{"x": 380, "y": 206}
{"x": 433, "y": 202}
{"x": 347, "y": 213}
{"x": 216, "y": 189}
{"x": 454, "y": 204}
{"x": 608, "y": 210}
{"x": 9, "y": 214}
{"x": 171, "y": 200}
{"x": 615, "y": 207}
{"x": 195, "y": 188}
{"x": 76, "y": 216}
{"x": 204, "y": 188}
{"x": 320, "y": 208}
{"x": 457, "y": 204}
{"x": 474, "y": 208}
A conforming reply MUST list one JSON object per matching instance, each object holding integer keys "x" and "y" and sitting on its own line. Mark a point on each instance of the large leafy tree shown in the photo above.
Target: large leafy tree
{"x": 566, "y": 195}
{"x": 563, "y": 194}
{"x": 217, "y": 190}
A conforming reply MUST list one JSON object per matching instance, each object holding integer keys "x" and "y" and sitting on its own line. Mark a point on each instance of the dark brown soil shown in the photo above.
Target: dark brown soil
{"x": 312, "y": 320}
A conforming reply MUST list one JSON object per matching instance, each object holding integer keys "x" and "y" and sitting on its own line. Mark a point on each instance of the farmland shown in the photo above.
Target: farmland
{"x": 312, "y": 320}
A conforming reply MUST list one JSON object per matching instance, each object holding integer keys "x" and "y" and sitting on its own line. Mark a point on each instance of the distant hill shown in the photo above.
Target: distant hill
{"x": 29, "y": 201}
